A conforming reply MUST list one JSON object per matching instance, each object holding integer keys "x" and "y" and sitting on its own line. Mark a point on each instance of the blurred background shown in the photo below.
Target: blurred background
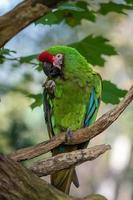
{"x": 111, "y": 174}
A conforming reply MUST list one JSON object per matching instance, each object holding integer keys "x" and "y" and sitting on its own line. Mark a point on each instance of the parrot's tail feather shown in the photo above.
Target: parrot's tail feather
{"x": 62, "y": 180}
{"x": 75, "y": 179}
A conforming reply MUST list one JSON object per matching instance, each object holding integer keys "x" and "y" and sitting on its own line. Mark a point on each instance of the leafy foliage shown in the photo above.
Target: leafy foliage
{"x": 111, "y": 93}
{"x": 5, "y": 52}
{"x": 129, "y": 1}
{"x": 72, "y": 13}
{"x": 70, "y": 6}
{"x": 27, "y": 59}
{"x": 105, "y": 8}
{"x": 92, "y": 48}
{"x": 37, "y": 100}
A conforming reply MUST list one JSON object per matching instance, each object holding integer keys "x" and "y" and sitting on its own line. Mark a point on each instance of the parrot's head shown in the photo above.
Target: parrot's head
{"x": 52, "y": 64}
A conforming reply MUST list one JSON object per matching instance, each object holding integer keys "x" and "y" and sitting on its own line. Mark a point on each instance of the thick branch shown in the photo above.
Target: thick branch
{"x": 17, "y": 182}
{"x": 66, "y": 160}
{"x": 79, "y": 136}
{"x": 21, "y": 16}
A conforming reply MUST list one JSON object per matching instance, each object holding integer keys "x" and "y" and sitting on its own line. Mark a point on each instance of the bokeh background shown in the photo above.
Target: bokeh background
{"x": 111, "y": 174}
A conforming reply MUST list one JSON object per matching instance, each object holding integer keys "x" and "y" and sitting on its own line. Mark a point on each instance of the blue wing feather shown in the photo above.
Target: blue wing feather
{"x": 92, "y": 108}
{"x": 91, "y": 101}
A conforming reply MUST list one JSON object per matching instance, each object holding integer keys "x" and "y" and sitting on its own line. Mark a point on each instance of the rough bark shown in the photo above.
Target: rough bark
{"x": 21, "y": 16}
{"x": 19, "y": 183}
{"x": 66, "y": 160}
{"x": 79, "y": 136}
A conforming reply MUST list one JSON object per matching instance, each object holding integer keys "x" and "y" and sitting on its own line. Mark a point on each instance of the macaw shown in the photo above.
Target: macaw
{"x": 72, "y": 94}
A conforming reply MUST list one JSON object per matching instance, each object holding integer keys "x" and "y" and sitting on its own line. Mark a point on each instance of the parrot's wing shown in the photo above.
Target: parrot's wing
{"x": 47, "y": 112}
{"x": 92, "y": 108}
{"x": 91, "y": 113}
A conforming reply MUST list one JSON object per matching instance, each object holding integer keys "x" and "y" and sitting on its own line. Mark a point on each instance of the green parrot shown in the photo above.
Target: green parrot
{"x": 72, "y": 94}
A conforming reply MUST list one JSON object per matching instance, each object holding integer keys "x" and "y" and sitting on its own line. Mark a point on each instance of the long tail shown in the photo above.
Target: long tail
{"x": 62, "y": 180}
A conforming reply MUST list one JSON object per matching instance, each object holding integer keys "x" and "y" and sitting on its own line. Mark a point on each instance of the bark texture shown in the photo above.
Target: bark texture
{"x": 66, "y": 160}
{"x": 21, "y": 16}
{"x": 19, "y": 183}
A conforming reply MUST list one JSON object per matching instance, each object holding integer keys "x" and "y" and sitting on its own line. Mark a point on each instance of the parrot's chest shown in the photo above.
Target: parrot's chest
{"x": 69, "y": 105}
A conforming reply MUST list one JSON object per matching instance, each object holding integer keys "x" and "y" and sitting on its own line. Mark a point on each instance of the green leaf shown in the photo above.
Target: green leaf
{"x": 92, "y": 48}
{"x": 71, "y": 13}
{"x": 39, "y": 67}
{"x": 37, "y": 100}
{"x": 129, "y": 1}
{"x": 114, "y": 7}
{"x": 2, "y": 59}
{"x": 4, "y": 51}
{"x": 70, "y": 6}
{"x": 111, "y": 93}
{"x": 75, "y": 18}
{"x": 28, "y": 59}
{"x": 49, "y": 19}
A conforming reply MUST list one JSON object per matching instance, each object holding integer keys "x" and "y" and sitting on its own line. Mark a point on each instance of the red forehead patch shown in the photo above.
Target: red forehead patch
{"x": 45, "y": 56}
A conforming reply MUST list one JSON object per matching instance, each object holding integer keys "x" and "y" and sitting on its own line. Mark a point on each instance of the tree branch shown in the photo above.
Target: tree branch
{"x": 21, "y": 16}
{"x": 79, "y": 136}
{"x": 66, "y": 160}
{"x": 17, "y": 182}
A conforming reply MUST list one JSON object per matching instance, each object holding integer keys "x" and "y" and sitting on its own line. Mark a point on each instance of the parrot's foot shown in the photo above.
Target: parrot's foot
{"x": 50, "y": 87}
{"x": 69, "y": 134}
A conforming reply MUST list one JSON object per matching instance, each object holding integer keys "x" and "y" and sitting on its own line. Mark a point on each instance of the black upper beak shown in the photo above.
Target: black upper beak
{"x": 50, "y": 70}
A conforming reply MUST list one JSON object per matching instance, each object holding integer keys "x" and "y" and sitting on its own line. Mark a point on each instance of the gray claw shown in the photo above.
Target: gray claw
{"x": 69, "y": 134}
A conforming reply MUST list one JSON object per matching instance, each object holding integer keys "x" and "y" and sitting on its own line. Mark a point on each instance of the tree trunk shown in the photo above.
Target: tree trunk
{"x": 19, "y": 183}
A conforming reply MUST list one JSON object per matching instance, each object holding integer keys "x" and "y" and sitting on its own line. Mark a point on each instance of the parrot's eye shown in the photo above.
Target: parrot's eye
{"x": 58, "y": 61}
{"x": 59, "y": 55}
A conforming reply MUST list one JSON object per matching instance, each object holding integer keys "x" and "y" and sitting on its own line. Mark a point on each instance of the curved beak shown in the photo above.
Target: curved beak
{"x": 50, "y": 70}
{"x": 47, "y": 66}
